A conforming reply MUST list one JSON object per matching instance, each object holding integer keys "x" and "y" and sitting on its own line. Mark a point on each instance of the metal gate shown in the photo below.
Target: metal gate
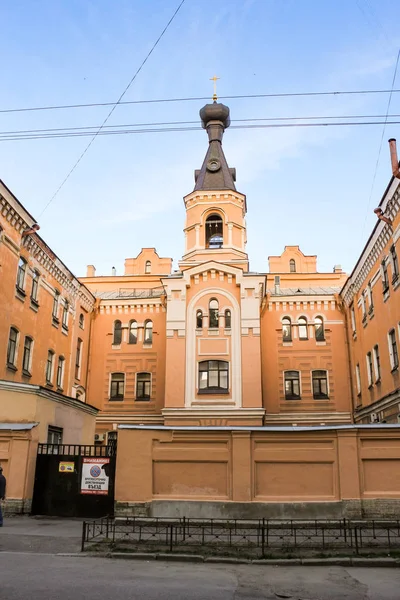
{"x": 74, "y": 481}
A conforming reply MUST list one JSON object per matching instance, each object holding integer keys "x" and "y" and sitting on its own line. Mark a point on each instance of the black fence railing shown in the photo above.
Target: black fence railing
{"x": 254, "y": 538}
{"x": 79, "y": 450}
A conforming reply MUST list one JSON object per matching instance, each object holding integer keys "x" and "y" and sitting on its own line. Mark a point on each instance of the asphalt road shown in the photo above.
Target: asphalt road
{"x": 45, "y": 576}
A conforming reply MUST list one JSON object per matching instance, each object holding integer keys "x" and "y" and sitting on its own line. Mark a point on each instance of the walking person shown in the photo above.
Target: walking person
{"x": 3, "y": 483}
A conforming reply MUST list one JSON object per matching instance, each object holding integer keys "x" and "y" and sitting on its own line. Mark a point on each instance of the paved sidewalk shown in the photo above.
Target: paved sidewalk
{"x": 40, "y": 534}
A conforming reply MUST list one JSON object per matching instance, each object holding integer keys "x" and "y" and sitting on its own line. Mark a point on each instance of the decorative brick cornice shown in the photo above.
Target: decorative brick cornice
{"x": 373, "y": 252}
{"x": 49, "y": 261}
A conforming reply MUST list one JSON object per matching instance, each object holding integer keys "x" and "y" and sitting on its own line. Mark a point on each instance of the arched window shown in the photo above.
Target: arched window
{"x": 148, "y": 332}
{"x": 147, "y": 268}
{"x": 133, "y": 329}
{"x": 286, "y": 329}
{"x": 214, "y": 232}
{"x": 228, "y": 319}
{"x": 81, "y": 321}
{"x": 292, "y": 265}
{"x": 143, "y": 386}
{"x": 213, "y": 377}
{"x": 319, "y": 329}
{"x": 213, "y": 319}
{"x": 117, "y": 333}
{"x": 199, "y": 319}
{"x": 303, "y": 333}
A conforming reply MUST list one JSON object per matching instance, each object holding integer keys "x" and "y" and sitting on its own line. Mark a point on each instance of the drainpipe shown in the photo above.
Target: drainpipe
{"x": 394, "y": 158}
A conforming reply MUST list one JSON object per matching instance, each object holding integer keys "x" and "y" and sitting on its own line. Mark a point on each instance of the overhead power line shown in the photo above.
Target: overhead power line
{"x": 115, "y": 104}
{"x": 55, "y": 135}
{"x": 164, "y": 123}
{"x": 385, "y": 122}
{"x": 197, "y": 99}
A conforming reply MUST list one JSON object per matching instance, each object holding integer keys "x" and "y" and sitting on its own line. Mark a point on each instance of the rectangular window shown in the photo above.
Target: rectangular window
{"x": 117, "y": 386}
{"x": 54, "y": 435}
{"x": 320, "y": 384}
{"x": 363, "y": 306}
{"x": 358, "y": 380}
{"x": 49, "y": 366}
{"x": 353, "y": 319}
{"x": 369, "y": 368}
{"x": 213, "y": 377}
{"x": 292, "y": 385}
{"x": 26, "y": 360}
{"x": 21, "y": 275}
{"x": 385, "y": 277}
{"x": 65, "y": 315}
{"x": 377, "y": 364}
{"x": 78, "y": 359}
{"x": 143, "y": 386}
{"x": 55, "y": 305}
{"x": 394, "y": 357}
{"x": 60, "y": 372}
{"x": 12, "y": 347}
{"x": 35, "y": 287}
{"x": 395, "y": 264}
{"x": 370, "y": 298}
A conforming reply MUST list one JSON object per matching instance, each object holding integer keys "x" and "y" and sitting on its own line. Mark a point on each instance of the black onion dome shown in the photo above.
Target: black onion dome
{"x": 215, "y": 112}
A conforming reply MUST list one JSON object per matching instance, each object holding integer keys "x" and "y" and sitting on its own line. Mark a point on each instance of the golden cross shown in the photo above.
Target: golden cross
{"x": 215, "y": 79}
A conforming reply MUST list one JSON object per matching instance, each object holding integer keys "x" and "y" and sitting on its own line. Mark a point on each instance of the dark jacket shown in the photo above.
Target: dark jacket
{"x": 2, "y": 487}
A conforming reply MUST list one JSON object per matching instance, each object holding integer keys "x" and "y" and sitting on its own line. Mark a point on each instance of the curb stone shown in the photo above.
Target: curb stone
{"x": 180, "y": 557}
{"x": 312, "y": 562}
{"x": 227, "y": 560}
{"x": 277, "y": 561}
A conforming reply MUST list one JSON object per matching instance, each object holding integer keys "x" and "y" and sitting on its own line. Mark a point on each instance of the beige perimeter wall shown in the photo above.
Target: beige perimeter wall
{"x": 352, "y": 471}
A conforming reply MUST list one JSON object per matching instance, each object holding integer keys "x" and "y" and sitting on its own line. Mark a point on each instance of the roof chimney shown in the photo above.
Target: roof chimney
{"x": 277, "y": 285}
{"x": 90, "y": 271}
{"x": 337, "y": 269}
{"x": 394, "y": 158}
{"x": 113, "y": 271}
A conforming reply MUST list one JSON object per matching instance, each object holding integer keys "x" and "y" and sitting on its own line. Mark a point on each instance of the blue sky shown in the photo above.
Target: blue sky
{"x": 305, "y": 186}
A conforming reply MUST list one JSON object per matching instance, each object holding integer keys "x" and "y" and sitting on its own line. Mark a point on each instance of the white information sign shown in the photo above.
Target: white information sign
{"x": 95, "y": 477}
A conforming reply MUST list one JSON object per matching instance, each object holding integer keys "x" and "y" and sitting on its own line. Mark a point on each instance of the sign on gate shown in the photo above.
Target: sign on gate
{"x": 66, "y": 467}
{"x": 95, "y": 476}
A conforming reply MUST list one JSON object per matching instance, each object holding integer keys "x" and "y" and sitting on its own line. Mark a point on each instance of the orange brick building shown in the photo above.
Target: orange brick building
{"x": 212, "y": 346}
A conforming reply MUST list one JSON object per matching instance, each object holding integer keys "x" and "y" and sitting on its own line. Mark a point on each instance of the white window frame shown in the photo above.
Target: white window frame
{"x": 368, "y": 359}
{"x": 327, "y": 385}
{"x": 109, "y": 386}
{"x": 77, "y": 373}
{"x": 300, "y": 386}
{"x": 29, "y": 369}
{"x": 390, "y": 347}
{"x": 59, "y": 384}
{"x": 353, "y": 319}
{"x": 50, "y": 379}
{"x": 151, "y": 385}
{"x": 15, "y": 361}
{"x": 358, "y": 379}
{"x": 377, "y": 369}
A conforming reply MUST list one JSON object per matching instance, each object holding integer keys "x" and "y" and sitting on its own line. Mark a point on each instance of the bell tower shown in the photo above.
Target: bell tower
{"x": 215, "y": 227}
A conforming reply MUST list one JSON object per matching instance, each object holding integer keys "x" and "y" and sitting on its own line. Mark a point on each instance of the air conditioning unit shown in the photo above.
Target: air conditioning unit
{"x": 99, "y": 437}
{"x": 374, "y": 418}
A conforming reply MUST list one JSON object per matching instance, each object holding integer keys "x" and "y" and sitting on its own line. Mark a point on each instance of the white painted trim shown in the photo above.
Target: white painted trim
{"x": 236, "y": 359}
